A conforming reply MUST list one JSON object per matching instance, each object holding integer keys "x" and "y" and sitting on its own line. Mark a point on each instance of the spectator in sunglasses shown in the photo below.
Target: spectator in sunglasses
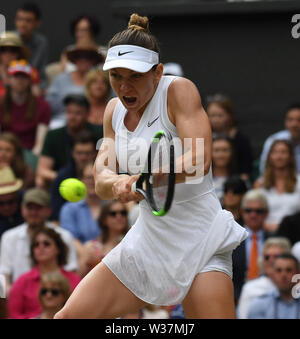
{"x": 48, "y": 254}
{"x": 282, "y": 302}
{"x": 54, "y": 292}
{"x": 254, "y": 210}
{"x": 113, "y": 223}
{"x": 273, "y": 247}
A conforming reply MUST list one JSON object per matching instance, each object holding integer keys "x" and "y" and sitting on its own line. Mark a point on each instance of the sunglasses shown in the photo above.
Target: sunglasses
{"x": 269, "y": 256}
{"x": 54, "y": 291}
{"x": 114, "y": 213}
{"x": 8, "y": 202}
{"x": 259, "y": 211}
{"x": 45, "y": 243}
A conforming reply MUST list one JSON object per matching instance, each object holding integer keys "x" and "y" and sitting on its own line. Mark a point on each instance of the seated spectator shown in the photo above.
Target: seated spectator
{"x": 27, "y": 21}
{"x": 252, "y": 289}
{"x": 290, "y": 228}
{"x": 234, "y": 190}
{"x": 114, "y": 225}
{"x": 48, "y": 253}
{"x": 11, "y": 48}
{"x": 223, "y": 163}
{"x": 245, "y": 257}
{"x": 20, "y": 112}
{"x": 97, "y": 91}
{"x": 10, "y": 200}
{"x": 53, "y": 294}
{"x": 84, "y": 56}
{"x": 81, "y": 218}
{"x": 15, "y": 243}
{"x": 84, "y": 28}
{"x": 280, "y": 302}
{"x": 57, "y": 149}
{"x": 280, "y": 183}
{"x": 221, "y": 115}
{"x": 83, "y": 152}
{"x": 291, "y": 133}
{"x": 11, "y": 154}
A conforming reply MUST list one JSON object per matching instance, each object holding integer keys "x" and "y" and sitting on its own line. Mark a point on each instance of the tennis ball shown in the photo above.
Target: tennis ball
{"x": 72, "y": 189}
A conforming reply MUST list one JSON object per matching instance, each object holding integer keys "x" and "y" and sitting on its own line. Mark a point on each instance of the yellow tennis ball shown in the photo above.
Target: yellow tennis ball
{"x": 72, "y": 189}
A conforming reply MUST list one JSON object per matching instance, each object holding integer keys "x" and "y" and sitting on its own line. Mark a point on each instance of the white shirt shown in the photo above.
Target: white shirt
{"x": 15, "y": 251}
{"x": 282, "y": 204}
{"x": 252, "y": 289}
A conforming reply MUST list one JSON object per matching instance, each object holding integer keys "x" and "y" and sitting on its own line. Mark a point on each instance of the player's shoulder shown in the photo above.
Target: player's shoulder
{"x": 180, "y": 83}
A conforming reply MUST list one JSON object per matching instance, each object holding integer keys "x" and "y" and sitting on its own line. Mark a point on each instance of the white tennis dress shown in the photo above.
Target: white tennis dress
{"x": 159, "y": 257}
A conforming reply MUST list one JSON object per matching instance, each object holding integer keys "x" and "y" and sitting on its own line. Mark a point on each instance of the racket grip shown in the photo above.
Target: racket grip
{"x": 133, "y": 187}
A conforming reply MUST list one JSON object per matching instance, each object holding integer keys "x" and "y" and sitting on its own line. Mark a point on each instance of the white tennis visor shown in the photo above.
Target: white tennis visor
{"x": 136, "y": 58}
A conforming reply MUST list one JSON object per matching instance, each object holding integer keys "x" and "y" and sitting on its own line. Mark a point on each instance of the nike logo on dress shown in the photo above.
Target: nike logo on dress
{"x": 150, "y": 123}
{"x": 120, "y": 54}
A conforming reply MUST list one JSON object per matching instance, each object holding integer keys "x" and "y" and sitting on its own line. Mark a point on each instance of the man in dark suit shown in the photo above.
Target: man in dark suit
{"x": 245, "y": 257}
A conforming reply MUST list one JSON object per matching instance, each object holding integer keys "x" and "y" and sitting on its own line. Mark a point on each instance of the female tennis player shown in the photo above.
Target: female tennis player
{"x": 184, "y": 256}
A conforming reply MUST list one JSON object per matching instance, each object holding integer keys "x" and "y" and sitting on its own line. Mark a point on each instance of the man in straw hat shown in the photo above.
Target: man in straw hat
{"x": 15, "y": 243}
{"x": 10, "y": 200}
{"x": 11, "y": 48}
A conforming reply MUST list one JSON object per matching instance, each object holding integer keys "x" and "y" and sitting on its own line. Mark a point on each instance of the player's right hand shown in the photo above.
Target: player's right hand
{"x": 122, "y": 189}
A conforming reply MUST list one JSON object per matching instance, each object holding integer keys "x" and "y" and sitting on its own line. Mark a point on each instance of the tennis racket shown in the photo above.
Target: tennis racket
{"x": 157, "y": 181}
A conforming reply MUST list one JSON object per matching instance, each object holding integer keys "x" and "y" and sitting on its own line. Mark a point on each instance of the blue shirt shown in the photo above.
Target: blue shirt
{"x": 77, "y": 218}
{"x": 272, "y": 306}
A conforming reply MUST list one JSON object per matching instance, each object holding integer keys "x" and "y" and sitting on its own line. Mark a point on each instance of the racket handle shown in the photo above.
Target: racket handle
{"x": 133, "y": 187}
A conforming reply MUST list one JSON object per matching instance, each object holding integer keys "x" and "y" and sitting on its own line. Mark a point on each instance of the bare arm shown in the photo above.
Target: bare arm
{"x": 191, "y": 121}
{"x": 39, "y": 138}
{"x": 108, "y": 184}
{"x": 45, "y": 172}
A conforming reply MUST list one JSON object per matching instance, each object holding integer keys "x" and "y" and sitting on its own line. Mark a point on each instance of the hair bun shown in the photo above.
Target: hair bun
{"x": 139, "y": 23}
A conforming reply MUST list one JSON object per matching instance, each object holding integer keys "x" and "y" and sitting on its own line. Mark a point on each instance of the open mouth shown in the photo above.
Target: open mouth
{"x": 129, "y": 100}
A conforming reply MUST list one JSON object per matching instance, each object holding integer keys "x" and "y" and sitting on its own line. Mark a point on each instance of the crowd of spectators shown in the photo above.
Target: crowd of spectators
{"x": 51, "y": 117}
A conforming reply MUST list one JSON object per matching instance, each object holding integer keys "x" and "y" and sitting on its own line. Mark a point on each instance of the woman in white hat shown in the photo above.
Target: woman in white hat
{"x": 185, "y": 256}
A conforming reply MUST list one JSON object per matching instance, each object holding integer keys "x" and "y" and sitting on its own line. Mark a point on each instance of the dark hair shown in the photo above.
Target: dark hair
{"x": 31, "y": 7}
{"x": 137, "y": 34}
{"x": 56, "y": 237}
{"x": 236, "y": 185}
{"x": 102, "y": 220}
{"x": 294, "y": 105}
{"x": 78, "y": 99}
{"x": 232, "y": 165}
{"x": 288, "y": 256}
{"x": 95, "y": 26}
{"x": 85, "y": 137}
